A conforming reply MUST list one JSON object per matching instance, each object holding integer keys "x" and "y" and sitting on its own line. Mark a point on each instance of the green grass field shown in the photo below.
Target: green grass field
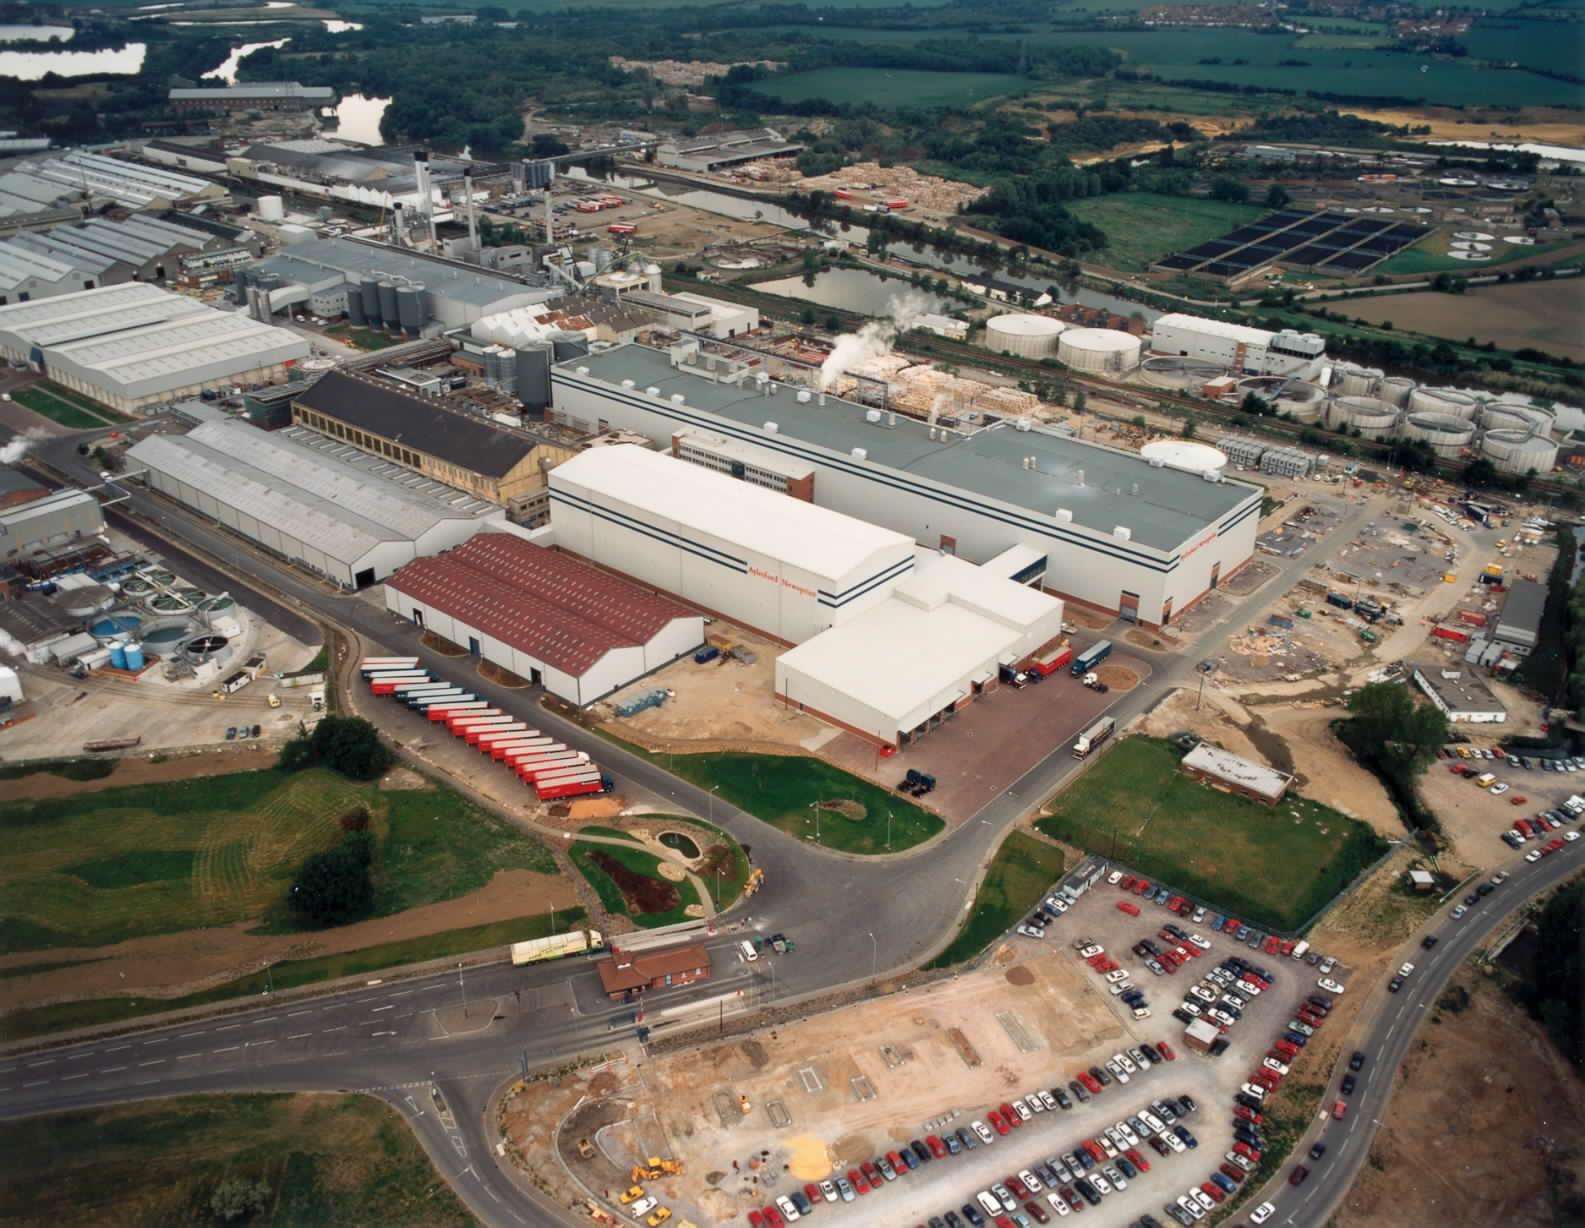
{"x": 721, "y": 852}
{"x": 1273, "y": 866}
{"x": 323, "y": 1160}
{"x": 102, "y": 867}
{"x": 783, "y": 790}
{"x": 1142, "y": 227}
{"x": 642, "y": 864}
{"x": 56, "y": 408}
{"x": 1022, "y": 871}
{"x": 892, "y": 87}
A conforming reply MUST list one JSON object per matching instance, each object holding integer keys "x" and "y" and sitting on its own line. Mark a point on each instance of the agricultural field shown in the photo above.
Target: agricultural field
{"x": 1142, "y": 227}
{"x": 1272, "y": 866}
{"x": 311, "y": 1159}
{"x": 1019, "y": 876}
{"x": 103, "y": 867}
{"x": 1552, "y": 46}
{"x": 892, "y": 86}
{"x": 1541, "y": 314}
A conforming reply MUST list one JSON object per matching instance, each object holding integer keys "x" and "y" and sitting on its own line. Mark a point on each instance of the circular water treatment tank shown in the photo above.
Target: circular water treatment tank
{"x": 1301, "y": 402}
{"x": 169, "y": 603}
{"x": 1473, "y": 236}
{"x": 1395, "y": 390}
{"x": 1185, "y": 454}
{"x": 1443, "y": 401}
{"x": 1500, "y": 416}
{"x": 1102, "y": 350}
{"x": 87, "y": 601}
{"x": 1519, "y": 452}
{"x": 158, "y": 575}
{"x": 136, "y": 586}
{"x": 1447, "y": 434}
{"x": 202, "y": 647}
{"x": 1355, "y": 381}
{"x": 116, "y": 626}
{"x": 214, "y": 605}
{"x": 163, "y": 640}
{"x": 1469, "y": 257}
{"x": 1025, "y": 335}
{"x": 1371, "y": 417}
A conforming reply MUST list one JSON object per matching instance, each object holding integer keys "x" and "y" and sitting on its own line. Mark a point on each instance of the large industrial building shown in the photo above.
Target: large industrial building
{"x": 135, "y": 345}
{"x": 375, "y": 284}
{"x": 906, "y": 663}
{"x": 778, "y": 565}
{"x": 547, "y": 617}
{"x": 1238, "y": 347}
{"x": 338, "y": 516}
{"x": 87, "y": 255}
{"x": 1518, "y": 627}
{"x": 33, "y": 519}
{"x": 505, "y": 467}
{"x": 718, "y": 149}
{"x": 1117, "y": 532}
{"x": 131, "y": 185}
{"x": 252, "y": 96}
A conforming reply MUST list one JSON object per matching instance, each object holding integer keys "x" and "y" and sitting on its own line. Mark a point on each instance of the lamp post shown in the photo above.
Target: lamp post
{"x": 464, "y": 990}
{"x": 713, "y": 788}
{"x": 875, "y": 956}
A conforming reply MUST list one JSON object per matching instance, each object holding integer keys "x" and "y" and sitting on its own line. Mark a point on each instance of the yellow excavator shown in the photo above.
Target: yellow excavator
{"x": 655, "y": 1168}
{"x": 754, "y": 882}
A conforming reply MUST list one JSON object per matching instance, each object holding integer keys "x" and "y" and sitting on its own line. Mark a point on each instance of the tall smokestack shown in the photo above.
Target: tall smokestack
{"x": 473, "y": 214}
{"x": 426, "y": 202}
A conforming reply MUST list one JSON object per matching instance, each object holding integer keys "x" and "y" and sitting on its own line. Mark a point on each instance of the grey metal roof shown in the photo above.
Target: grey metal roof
{"x": 1103, "y": 487}
{"x": 21, "y": 192}
{"x": 461, "y": 283}
{"x": 129, "y": 183}
{"x": 194, "y": 348}
{"x": 256, "y": 89}
{"x": 1521, "y": 612}
{"x": 46, "y": 244}
{"x": 90, "y": 313}
{"x": 342, "y": 508}
{"x": 19, "y": 265}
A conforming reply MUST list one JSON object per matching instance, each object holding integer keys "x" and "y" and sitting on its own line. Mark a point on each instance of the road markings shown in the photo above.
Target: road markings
{"x": 295, "y": 1014}
{"x": 227, "y": 1049}
{"x": 299, "y": 1036}
{"x": 36, "y": 1083}
{"x": 388, "y": 1007}
{"x": 342, "y": 1028}
{"x": 185, "y": 1035}
{"x": 158, "y": 1040}
{"x": 257, "y": 1044}
{"x": 77, "y": 1057}
{"x": 117, "y": 1048}
{"x": 109, "y": 1070}
{"x": 159, "y": 1061}
{"x": 184, "y": 1056}
{"x": 402, "y": 993}
{"x": 230, "y": 1027}
{"x": 69, "y": 1078}
{"x": 49, "y": 1061}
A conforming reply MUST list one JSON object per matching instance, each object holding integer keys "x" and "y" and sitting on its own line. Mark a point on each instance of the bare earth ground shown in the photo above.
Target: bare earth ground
{"x": 1462, "y": 1141}
{"x": 1543, "y": 314}
{"x": 1545, "y": 124}
{"x": 143, "y": 770}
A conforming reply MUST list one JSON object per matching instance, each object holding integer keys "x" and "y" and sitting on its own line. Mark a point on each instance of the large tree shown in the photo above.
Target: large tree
{"x": 1400, "y": 732}
{"x": 335, "y": 887}
{"x": 346, "y": 744}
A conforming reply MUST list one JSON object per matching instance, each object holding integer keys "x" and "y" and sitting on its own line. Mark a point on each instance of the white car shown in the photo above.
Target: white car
{"x": 785, "y": 1206}
{"x": 1405, "y": 969}
{"x": 1248, "y": 988}
{"x": 1111, "y": 1149}
{"x": 1498, "y": 789}
{"x": 1141, "y": 1012}
{"x": 1031, "y": 931}
{"x": 1035, "y": 1103}
{"x": 1199, "y": 942}
{"x": 828, "y": 1191}
{"x": 1533, "y": 855}
{"x": 1254, "y": 1090}
{"x": 1101, "y": 1184}
{"x": 1327, "y": 965}
{"x": 1205, "y": 1200}
{"x": 1140, "y": 1059}
{"x": 1221, "y": 1016}
{"x": 1118, "y": 1072}
{"x": 1115, "y": 877}
{"x": 1056, "y": 905}
{"x": 1091, "y": 951}
{"x": 1151, "y": 1120}
{"x": 1331, "y": 986}
{"x": 1048, "y": 1101}
{"x": 643, "y": 1207}
{"x": 1272, "y": 1063}
{"x": 1192, "y": 1008}
{"x": 1127, "y": 1131}
{"x": 984, "y": 1131}
{"x": 1173, "y": 1141}
{"x": 1191, "y": 1208}
{"x": 1460, "y": 912}
{"x": 1123, "y": 1060}
{"x": 1113, "y": 977}
{"x": 1059, "y": 1205}
{"x": 1243, "y": 1162}
{"x": 1118, "y": 988}
{"x": 1571, "y": 836}
{"x": 1022, "y": 1110}
{"x": 1030, "y": 1180}
{"x": 1262, "y": 1213}
{"x": 1203, "y": 994}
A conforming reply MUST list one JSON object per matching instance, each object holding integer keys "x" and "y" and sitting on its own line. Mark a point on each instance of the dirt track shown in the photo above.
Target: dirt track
{"x": 142, "y": 770}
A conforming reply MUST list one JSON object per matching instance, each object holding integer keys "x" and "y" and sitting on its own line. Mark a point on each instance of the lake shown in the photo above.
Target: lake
{"x": 358, "y": 119}
{"x": 33, "y": 65}
{"x": 36, "y": 34}
{"x": 855, "y": 290}
{"x": 227, "y": 71}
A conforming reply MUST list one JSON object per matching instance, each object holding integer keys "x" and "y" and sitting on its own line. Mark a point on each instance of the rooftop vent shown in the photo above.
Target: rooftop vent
{"x": 652, "y": 390}
{"x": 860, "y": 454}
{"x": 803, "y": 396}
{"x": 627, "y": 383}
{"x": 1123, "y": 533}
{"x": 1064, "y": 515}
{"x": 771, "y": 428}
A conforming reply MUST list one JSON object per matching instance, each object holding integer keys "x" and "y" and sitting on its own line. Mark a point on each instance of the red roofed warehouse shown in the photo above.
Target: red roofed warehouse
{"x": 575, "y": 630}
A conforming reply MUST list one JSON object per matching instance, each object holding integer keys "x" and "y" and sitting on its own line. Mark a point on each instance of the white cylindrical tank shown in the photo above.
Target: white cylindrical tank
{"x": 1448, "y": 434}
{"x": 1395, "y": 390}
{"x": 1107, "y": 351}
{"x": 1518, "y": 452}
{"x": 1443, "y": 401}
{"x": 1301, "y": 402}
{"x": 271, "y": 209}
{"x": 1371, "y": 417}
{"x": 1024, "y": 335}
{"x": 1497, "y": 416}
{"x": 1352, "y": 381}
{"x": 1185, "y": 454}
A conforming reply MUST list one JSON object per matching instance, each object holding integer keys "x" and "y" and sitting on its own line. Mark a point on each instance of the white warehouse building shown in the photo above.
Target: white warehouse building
{"x": 337, "y": 517}
{"x": 906, "y": 664}
{"x": 1238, "y": 347}
{"x": 773, "y": 563}
{"x": 1103, "y": 527}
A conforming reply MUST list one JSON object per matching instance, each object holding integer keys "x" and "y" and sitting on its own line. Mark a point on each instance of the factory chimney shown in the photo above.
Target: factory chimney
{"x": 473, "y": 214}
{"x": 426, "y": 202}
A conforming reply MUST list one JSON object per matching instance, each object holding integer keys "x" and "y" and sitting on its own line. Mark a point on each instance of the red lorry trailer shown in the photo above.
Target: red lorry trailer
{"x": 528, "y": 744}
{"x": 439, "y": 712}
{"x": 474, "y": 732}
{"x": 374, "y": 665}
{"x": 455, "y": 719}
{"x": 1050, "y": 658}
{"x": 488, "y": 740}
{"x": 592, "y": 781}
{"x": 420, "y": 701}
{"x": 532, "y": 769}
{"x": 478, "y": 724}
{"x": 384, "y": 684}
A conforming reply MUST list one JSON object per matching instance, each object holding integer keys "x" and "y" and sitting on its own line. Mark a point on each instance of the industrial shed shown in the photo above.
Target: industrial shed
{"x": 1519, "y": 625}
{"x": 905, "y": 664}
{"x": 349, "y": 524}
{"x": 135, "y": 345}
{"x": 579, "y": 632}
{"x": 1236, "y": 774}
{"x": 773, "y": 563}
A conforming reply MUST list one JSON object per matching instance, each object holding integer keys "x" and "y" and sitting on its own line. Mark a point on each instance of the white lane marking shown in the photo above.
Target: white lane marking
{"x": 342, "y": 1028}
{"x": 77, "y": 1057}
{"x": 402, "y": 993}
{"x": 36, "y": 1083}
{"x": 109, "y": 1070}
{"x": 69, "y": 1078}
{"x": 299, "y": 1036}
{"x": 230, "y": 1027}
{"x": 159, "y": 1061}
{"x": 258, "y": 1043}
{"x": 49, "y": 1061}
{"x": 184, "y": 1056}
{"x": 158, "y": 1040}
{"x": 117, "y": 1048}
{"x": 185, "y": 1035}
{"x": 295, "y": 1014}
{"x": 377, "y": 1009}
{"x": 227, "y": 1049}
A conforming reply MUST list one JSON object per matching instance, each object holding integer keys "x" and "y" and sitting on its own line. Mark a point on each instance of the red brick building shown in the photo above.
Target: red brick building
{"x": 629, "y": 971}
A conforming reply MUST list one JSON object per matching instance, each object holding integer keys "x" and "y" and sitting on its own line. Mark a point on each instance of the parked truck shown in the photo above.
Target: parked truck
{"x": 1091, "y": 657}
{"x": 581, "y": 785}
{"x": 556, "y": 946}
{"x": 373, "y": 665}
{"x": 1049, "y": 659}
{"x": 1093, "y": 737}
{"x": 1340, "y": 601}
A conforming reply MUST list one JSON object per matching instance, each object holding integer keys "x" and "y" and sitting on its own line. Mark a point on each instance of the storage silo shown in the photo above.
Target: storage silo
{"x": 1106, "y": 351}
{"x": 355, "y": 314}
{"x": 1371, "y": 417}
{"x": 1186, "y": 455}
{"x": 603, "y": 257}
{"x": 118, "y": 655}
{"x": 241, "y": 279}
{"x": 389, "y": 312}
{"x": 1301, "y": 402}
{"x": 1519, "y": 452}
{"x": 533, "y": 375}
{"x": 1443, "y": 401}
{"x": 1448, "y": 434}
{"x": 1396, "y": 390}
{"x": 1027, "y": 336}
{"x": 506, "y": 368}
{"x": 407, "y": 309}
{"x": 492, "y": 366}
{"x": 421, "y": 305}
{"x": 565, "y": 345}
{"x": 272, "y": 209}
{"x": 371, "y": 303}
{"x": 1501, "y": 416}
{"x": 1352, "y": 381}
{"x": 134, "y": 655}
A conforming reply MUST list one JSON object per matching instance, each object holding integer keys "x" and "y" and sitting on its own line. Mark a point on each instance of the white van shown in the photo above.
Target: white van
{"x": 749, "y": 953}
{"x": 990, "y": 1203}
{"x": 1299, "y": 949}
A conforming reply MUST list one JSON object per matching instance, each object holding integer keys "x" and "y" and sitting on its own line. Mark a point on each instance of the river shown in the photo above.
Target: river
{"x": 227, "y": 71}
{"x": 856, "y": 290}
{"x": 33, "y": 65}
{"x": 358, "y": 119}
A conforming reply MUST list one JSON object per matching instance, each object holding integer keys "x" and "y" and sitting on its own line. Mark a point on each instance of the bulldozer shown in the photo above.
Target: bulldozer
{"x": 754, "y": 882}
{"x": 654, "y": 1168}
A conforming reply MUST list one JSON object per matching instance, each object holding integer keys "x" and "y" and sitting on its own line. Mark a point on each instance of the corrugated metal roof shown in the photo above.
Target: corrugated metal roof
{"x": 178, "y": 347}
{"x": 128, "y": 183}
{"x": 462, "y": 283}
{"x": 19, "y": 265}
{"x": 255, "y": 89}
{"x": 553, "y": 607}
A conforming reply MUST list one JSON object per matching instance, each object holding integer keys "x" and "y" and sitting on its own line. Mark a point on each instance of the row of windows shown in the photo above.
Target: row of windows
{"x": 362, "y": 439}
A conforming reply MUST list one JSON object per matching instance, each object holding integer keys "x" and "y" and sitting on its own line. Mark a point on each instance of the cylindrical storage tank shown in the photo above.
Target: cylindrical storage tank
{"x": 1395, "y": 390}
{"x": 1024, "y": 335}
{"x": 1518, "y": 452}
{"x": 533, "y": 375}
{"x": 1301, "y": 402}
{"x": 1448, "y": 434}
{"x": 492, "y": 366}
{"x": 1443, "y": 401}
{"x": 565, "y": 345}
{"x": 1106, "y": 351}
{"x": 422, "y": 305}
{"x": 134, "y": 655}
{"x": 390, "y": 314}
{"x": 271, "y": 209}
{"x": 355, "y": 314}
{"x": 1351, "y": 381}
{"x": 506, "y": 366}
{"x": 371, "y": 302}
{"x": 1372, "y": 418}
{"x": 602, "y": 259}
{"x": 407, "y": 309}
{"x": 1497, "y": 416}
{"x": 118, "y": 655}
{"x": 241, "y": 279}
{"x": 1185, "y": 454}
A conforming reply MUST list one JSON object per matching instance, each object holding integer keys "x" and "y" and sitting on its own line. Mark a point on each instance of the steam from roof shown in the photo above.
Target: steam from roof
{"x": 874, "y": 340}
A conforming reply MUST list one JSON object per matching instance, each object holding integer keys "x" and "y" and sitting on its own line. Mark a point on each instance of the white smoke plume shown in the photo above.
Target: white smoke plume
{"x": 17, "y": 448}
{"x": 10, "y": 646}
{"x": 873, "y": 340}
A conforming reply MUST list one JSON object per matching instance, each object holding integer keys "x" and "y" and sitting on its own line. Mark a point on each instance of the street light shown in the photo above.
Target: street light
{"x": 713, "y": 788}
{"x": 464, "y": 990}
{"x": 875, "y": 957}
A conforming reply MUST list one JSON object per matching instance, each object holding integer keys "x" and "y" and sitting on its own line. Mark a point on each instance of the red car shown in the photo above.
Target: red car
{"x": 1144, "y": 887}
{"x": 1091, "y": 1084}
{"x": 773, "y": 1217}
{"x": 997, "y": 1121}
{"x": 1018, "y": 1188}
{"x": 1338, "y": 1111}
{"x": 856, "y": 1180}
{"x": 1286, "y": 946}
{"x": 1165, "y": 1050}
{"x": 1232, "y": 1172}
{"x": 1011, "y": 1115}
{"x": 937, "y": 1147}
{"x": 1271, "y": 946}
{"x": 1131, "y": 909}
{"x": 1230, "y": 926}
{"x": 872, "y": 1174}
{"x": 1246, "y": 1114}
{"x": 813, "y": 1194}
{"x": 1037, "y": 1212}
{"x": 1127, "y": 883}
{"x": 1189, "y": 952}
{"x": 1213, "y": 1191}
{"x": 1096, "y": 1150}
{"x": 899, "y": 1165}
{"x": 1166, "y": 960}
{"x": 756, "y": 1219}
{"x": 1137, "y": 1160}
{"x": 1248, "y": 1152}
{"x": 1175, "y": 903}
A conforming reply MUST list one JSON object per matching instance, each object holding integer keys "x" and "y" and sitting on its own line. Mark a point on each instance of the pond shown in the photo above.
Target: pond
{"x": 357, "y": 118}
{"x": 680, "y": 843}
{"x": 36, "y": 34}
{"x": 34, "y": 65}
{"x": 227, "y": 71}
{"x": 856, "y": 290}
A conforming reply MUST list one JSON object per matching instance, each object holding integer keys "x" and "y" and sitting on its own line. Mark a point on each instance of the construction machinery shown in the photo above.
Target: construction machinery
{"x": 632, "y": 1194}
{"x": 754, "y": 882}
{"x": 655, "y": 1168}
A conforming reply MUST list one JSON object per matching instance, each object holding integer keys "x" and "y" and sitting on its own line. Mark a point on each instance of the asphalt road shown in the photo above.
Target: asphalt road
{"x": 387, "y": 1040}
